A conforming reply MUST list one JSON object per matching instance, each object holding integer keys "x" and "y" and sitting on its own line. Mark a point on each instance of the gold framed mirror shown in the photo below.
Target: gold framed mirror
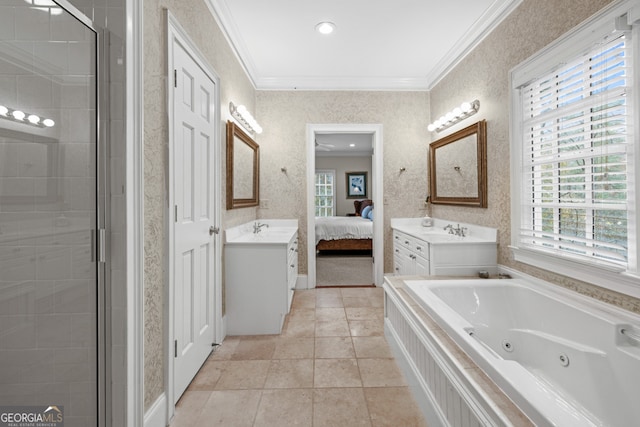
{"x": 458, "y": 167}
{"x": 243, "y": 168}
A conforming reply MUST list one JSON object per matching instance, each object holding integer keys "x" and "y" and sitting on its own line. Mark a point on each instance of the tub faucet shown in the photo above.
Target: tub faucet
{"x": 458, "y": 231}
{"x": 257, "y": 227}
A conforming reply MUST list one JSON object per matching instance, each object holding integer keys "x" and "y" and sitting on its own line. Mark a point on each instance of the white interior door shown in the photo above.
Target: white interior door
{"x": 193, "y": 248}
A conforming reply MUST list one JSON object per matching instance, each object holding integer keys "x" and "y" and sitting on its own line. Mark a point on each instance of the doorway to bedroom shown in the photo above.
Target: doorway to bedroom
{"x": 343, "y": 209}
{"x": 345, "y": 231}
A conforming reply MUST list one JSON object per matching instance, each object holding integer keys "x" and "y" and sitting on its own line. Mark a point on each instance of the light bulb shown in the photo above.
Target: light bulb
{"x": 33, "y": 119}
{"x": 457, "y": 112}
{"x": 325, "y": 27}
{"x": 465, "y": 107}
{"x": 3, "y": 110}
{"x": 431, "y": 127}
{"x": 48, "y": 123}
{"x": 450, "y": 116}
{"x": 18, "y": 115}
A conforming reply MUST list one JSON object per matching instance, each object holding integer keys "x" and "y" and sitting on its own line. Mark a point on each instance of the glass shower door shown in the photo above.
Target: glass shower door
{"x": 49, "y": 276}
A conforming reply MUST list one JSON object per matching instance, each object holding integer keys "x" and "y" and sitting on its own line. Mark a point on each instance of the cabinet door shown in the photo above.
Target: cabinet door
{"x": 402, "y": 261}
{"x": 421, "y": 266}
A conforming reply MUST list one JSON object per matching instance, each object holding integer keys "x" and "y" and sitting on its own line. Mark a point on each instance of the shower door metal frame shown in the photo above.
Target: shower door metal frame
{"x": 100, "y": 242}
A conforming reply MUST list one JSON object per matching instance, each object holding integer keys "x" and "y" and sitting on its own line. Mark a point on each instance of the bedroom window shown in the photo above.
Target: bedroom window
{"x": 325, "y": 192}
{"x": 573, "y": 191}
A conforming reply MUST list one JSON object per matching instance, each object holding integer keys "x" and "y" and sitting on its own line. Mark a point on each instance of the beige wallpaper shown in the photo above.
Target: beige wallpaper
{"x": 404, "y": 116}
{"x": 483, "y": 75}
{"x": 285, "y": 114}
{"x": 195, "y": 18}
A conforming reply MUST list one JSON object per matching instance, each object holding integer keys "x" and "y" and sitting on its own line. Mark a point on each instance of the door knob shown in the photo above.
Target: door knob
{"x": 213, "y": 230}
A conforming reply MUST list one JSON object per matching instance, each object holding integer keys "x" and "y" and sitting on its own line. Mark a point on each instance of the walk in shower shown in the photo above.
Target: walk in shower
{"x": 51, "y": 212}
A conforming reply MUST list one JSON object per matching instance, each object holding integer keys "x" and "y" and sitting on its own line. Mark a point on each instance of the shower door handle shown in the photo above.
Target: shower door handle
{"x": 98, "y": 245}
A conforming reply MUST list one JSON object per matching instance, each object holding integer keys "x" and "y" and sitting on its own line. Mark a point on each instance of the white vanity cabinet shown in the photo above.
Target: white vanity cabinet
{"x": 261, "y": 270}
{"x": 410, "y": 255}
{"x": 433, "y": 251}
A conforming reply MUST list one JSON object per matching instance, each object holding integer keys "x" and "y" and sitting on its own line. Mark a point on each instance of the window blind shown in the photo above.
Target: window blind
{"x": 575, "y": 174}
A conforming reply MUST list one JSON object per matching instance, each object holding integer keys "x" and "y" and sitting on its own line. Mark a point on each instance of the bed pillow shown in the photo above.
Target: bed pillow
{"x": 363, "y": 204}
{"x": 370, "y": 214}
{"x": 367, "y": 211}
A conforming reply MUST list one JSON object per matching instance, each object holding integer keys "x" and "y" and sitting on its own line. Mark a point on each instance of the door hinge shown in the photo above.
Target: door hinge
{"x": 175, "y": 348}
{"x": 175, "y": 213}
{"x": 175, "y": 78}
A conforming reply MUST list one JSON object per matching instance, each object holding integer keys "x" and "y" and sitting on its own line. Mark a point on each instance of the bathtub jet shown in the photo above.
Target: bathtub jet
{"x": 564, "y": 359}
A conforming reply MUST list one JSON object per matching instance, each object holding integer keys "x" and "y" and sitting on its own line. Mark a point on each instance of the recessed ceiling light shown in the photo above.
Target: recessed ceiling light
{"x": 352, "y": 145}
{"x": 325, "y": 27}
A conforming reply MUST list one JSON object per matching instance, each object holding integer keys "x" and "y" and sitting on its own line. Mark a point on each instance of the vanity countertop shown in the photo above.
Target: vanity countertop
{"x": 273, "y": 231}
{"x": 437, "y": 234}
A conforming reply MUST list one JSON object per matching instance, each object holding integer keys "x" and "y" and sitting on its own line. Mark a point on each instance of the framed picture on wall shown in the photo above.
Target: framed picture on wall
{"x": 356, "y": 185}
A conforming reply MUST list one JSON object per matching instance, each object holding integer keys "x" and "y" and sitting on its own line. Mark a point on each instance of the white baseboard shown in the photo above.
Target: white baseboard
{"x": 302, "y": 282}
{"x": 224, "y": 329}
{"x": 156, "y": 416}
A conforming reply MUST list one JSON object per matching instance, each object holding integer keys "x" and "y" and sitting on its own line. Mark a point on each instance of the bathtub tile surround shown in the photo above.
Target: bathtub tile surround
{"x": 302, "y": 378}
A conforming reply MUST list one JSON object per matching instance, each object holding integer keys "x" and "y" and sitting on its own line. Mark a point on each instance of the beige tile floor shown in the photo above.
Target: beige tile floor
{"x": 331, "y": 366}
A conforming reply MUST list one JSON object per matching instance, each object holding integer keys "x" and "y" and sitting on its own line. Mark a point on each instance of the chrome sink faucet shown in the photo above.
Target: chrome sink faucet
{"x": 257, "y": 227}
{"x": 458, "y": 231}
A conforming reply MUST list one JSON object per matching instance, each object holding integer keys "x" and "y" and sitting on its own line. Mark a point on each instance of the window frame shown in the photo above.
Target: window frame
{"x": 564, "y": 50}
{"x": 333, "y": 197}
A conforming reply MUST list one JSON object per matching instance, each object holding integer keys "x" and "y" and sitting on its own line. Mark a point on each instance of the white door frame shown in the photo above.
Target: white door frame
{"x": 176, "y": 33}
{"x": 377, "y": 194}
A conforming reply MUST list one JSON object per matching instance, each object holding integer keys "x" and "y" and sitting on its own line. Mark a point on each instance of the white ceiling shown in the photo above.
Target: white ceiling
{"x": 377, "y": 44}
{"x": 344, "y": 144}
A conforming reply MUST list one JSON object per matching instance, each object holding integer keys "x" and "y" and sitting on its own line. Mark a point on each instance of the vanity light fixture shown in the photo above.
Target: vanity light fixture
{"x": 465, "y": 110}
{"x": 20, "y": 116}
{"x": 242, "y": 115}
{"x": 325, "y": 28}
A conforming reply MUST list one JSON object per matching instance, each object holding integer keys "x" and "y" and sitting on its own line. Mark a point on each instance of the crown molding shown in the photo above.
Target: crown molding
{"x": 343, "y": 83}
{"x": 219, "y": 10}
{"x": 492, "y": 17}
{"x": 499, "y": 10}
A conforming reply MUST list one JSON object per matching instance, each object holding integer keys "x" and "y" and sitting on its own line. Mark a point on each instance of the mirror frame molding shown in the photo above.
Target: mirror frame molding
{"x": 480, "y": 130}
{"x": 234, "y": 131}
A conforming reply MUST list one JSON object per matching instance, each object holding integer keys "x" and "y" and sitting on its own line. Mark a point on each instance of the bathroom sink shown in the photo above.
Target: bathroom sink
{"x": 266, "y": 235}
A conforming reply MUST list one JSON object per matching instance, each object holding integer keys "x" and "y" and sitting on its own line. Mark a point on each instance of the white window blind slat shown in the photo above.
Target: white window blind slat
{"x": 576, "y": 127}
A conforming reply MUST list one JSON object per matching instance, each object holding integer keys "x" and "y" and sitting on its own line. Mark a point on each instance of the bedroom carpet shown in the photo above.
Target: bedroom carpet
{"x": 344, "y": 271}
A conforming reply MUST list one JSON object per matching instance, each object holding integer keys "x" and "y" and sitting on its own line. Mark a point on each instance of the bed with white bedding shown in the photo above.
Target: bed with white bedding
{"x": 344, "y": 233}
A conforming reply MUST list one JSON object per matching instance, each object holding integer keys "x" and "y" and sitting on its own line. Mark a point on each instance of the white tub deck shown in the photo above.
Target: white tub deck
{"x": 449, "y": 387}
{"x": 559, "y": 356}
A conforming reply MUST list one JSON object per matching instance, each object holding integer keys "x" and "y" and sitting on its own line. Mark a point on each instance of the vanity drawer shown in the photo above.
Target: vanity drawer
{"x": 412, "y": 244}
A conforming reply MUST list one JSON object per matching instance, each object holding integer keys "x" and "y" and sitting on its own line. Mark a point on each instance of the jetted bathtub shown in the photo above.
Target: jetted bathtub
{"x": 564, "y": 359}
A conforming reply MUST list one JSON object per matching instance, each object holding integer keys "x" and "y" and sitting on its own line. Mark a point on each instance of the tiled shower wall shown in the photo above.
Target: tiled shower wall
{"x": 48, "y": 305}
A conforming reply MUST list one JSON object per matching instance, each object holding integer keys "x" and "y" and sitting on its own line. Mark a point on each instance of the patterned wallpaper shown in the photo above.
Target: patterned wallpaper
{"x": 483, "y": 75}
{"x": 285, "y": 114}
{"x": 195, "y": 18}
